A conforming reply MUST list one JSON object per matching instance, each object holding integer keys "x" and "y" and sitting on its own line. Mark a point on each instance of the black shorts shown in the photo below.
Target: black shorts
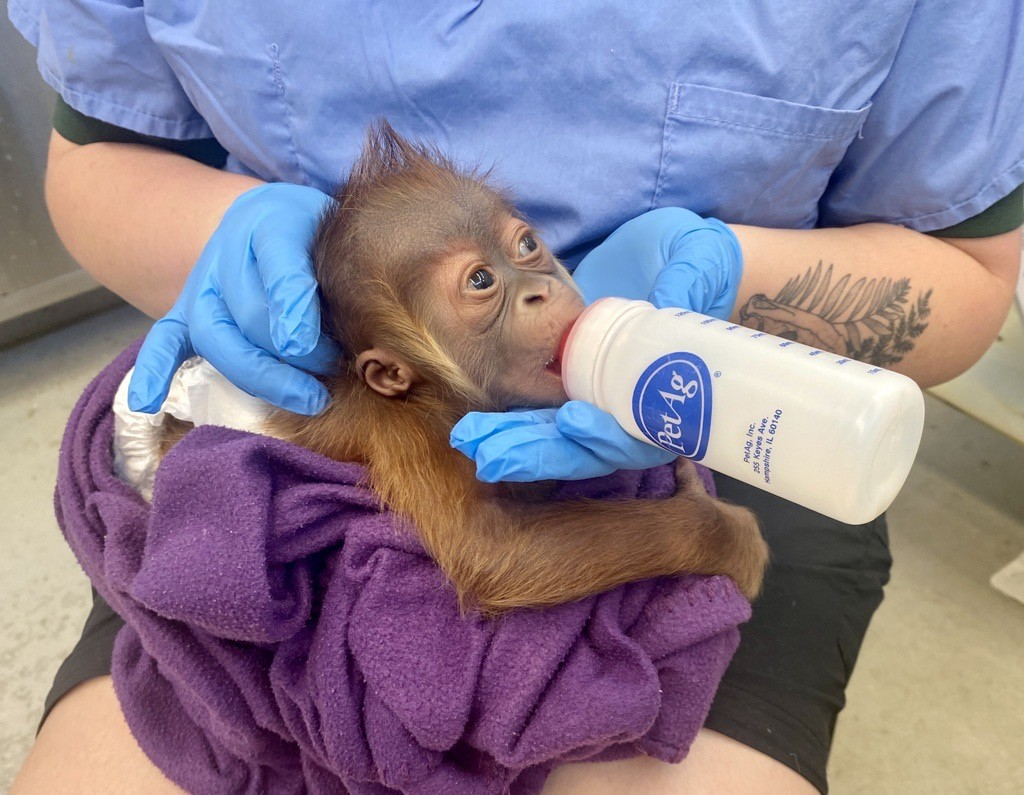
{"x": 785, "y": 686}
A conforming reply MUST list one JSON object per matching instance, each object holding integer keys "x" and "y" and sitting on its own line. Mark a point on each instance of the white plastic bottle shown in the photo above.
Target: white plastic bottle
{"x": 832, "y": 434}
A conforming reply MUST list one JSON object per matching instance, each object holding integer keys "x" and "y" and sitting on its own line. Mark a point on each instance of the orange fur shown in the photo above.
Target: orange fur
{"x": 401, "y": 211}
{"x": 502, "y": 547}
{"x": 501, "y": 552}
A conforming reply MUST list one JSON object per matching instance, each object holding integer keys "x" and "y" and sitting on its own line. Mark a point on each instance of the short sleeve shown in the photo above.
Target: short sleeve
{"x": 98, "y": 55}
{"x": 944, "y": 139}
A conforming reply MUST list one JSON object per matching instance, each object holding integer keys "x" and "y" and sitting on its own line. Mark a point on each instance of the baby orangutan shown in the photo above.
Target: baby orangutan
{"x": 445, "y": 301}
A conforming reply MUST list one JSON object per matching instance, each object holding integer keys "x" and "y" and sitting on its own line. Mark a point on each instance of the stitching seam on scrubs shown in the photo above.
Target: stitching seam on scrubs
{"x": 787, "y": 133}
{"x": 24, "y": 23}
{"x": 666, "y": 136}
{"x": 277, "y": 75}
{"x": 1016, "y": 168}
{"x": 47, "y": 72}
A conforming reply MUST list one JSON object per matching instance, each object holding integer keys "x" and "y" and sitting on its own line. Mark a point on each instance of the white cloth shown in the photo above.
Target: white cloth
{"x": 198, "y": 394}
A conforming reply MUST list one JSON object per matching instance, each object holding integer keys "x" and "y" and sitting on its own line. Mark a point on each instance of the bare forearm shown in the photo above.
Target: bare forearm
{"x": 921, "y": 305}
{"x": 136, "y": 217}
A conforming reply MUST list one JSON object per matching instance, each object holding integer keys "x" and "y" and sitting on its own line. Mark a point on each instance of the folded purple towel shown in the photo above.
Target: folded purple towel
{"x": 284, "y": 634}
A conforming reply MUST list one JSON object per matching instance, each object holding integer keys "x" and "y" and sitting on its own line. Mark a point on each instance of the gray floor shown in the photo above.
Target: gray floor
{"x": 936, "y": 705}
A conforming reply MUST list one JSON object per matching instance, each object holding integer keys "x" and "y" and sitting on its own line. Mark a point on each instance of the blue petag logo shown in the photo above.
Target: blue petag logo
{"x": 672, "y": 404}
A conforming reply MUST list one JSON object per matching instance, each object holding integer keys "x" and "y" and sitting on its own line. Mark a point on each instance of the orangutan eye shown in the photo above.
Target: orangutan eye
{"x": 481, "y": 279}
{"x": 527, "y": 245}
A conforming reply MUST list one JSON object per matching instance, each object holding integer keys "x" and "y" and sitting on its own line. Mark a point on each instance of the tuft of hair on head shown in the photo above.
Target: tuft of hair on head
{"x": 392, "y": 171}
{"x": 377, "y": 243}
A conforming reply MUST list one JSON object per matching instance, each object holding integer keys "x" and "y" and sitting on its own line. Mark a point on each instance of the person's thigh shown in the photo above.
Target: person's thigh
{"x": 771, "y": 723}
{"x": 775, "y": 708}
{"x": 786, "y": 684}
{"x": 85, "y": 747}
{"x": 716, "y": 764}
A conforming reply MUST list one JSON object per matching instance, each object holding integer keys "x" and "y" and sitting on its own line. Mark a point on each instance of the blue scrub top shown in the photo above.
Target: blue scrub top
{"x": 795, "y": 114}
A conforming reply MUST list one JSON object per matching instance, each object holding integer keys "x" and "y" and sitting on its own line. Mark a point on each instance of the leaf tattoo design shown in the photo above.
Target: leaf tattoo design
{"x": 872, "y": 320}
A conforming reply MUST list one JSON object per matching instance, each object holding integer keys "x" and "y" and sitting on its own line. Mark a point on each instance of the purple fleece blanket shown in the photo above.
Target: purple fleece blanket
{"x": 285, "y": 635}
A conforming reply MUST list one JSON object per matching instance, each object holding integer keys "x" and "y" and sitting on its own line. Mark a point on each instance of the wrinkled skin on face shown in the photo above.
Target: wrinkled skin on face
{"x": 437, "y": 288}
{"x": 500, "y": 309}
{"x": 445, "y": 302}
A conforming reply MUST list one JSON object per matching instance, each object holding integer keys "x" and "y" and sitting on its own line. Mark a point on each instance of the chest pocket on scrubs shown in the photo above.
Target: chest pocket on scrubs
{"x": 761, "y": 160}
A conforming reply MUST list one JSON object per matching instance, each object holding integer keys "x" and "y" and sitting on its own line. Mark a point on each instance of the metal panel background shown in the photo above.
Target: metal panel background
{"x": 40, "y": 285}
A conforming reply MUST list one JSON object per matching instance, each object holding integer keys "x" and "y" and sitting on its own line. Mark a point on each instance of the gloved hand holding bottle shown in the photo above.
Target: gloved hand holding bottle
{"x": 249, "y": 306}
{"x": 670, "y": 257}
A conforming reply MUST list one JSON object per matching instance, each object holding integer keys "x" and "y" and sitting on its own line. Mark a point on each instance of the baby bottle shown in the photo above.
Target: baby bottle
{"x": 830, "y": 433}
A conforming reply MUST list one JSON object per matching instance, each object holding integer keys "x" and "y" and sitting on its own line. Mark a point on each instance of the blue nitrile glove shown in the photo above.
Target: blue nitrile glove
{"x": 573, "y": 442}
{"x": 670, "y": 257}
{"x": 249, "y": 307}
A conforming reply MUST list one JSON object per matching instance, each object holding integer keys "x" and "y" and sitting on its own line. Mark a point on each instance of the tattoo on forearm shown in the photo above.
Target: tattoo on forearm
{"x": 871, "y": 320}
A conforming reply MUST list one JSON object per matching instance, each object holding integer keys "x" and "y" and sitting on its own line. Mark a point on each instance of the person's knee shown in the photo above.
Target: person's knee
{"x": 716, "y": 763}
{"x": 85, "y": 746}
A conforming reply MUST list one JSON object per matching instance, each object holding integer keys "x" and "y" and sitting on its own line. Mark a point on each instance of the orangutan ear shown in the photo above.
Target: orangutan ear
{"x": 385, "y": 373}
